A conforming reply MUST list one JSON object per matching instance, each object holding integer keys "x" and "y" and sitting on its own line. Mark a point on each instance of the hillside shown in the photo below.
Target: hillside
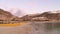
{"x": 51, "y": 16}
{"x": 7, "y": 17}
{"x": 44, "y": 16}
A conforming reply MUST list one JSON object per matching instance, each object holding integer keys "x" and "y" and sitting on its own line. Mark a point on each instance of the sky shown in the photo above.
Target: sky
{"x": 30, "y": 6}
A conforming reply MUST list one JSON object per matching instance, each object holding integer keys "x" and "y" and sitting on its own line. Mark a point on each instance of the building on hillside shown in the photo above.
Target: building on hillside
{"x": 39, "y": 19}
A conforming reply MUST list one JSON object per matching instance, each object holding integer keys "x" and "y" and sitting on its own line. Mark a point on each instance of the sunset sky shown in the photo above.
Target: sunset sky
{"x": 30, "y": 6}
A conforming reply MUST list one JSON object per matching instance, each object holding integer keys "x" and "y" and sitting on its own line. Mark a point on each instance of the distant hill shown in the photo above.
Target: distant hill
{"x": 51, "y": 16}
{"x": 47, "y": 15}
{"x": 7, "y": 16}
{"x": 29, "y": 17}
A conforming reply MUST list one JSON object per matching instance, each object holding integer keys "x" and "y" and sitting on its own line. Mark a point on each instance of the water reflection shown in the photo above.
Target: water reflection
{"x": 53, "y": 28}
{"x": 32, "y": 28}
{"x": 47, "y": 28}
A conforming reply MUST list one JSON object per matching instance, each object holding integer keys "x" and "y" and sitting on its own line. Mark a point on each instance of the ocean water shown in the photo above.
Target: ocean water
{"x": 32, "y": 28}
